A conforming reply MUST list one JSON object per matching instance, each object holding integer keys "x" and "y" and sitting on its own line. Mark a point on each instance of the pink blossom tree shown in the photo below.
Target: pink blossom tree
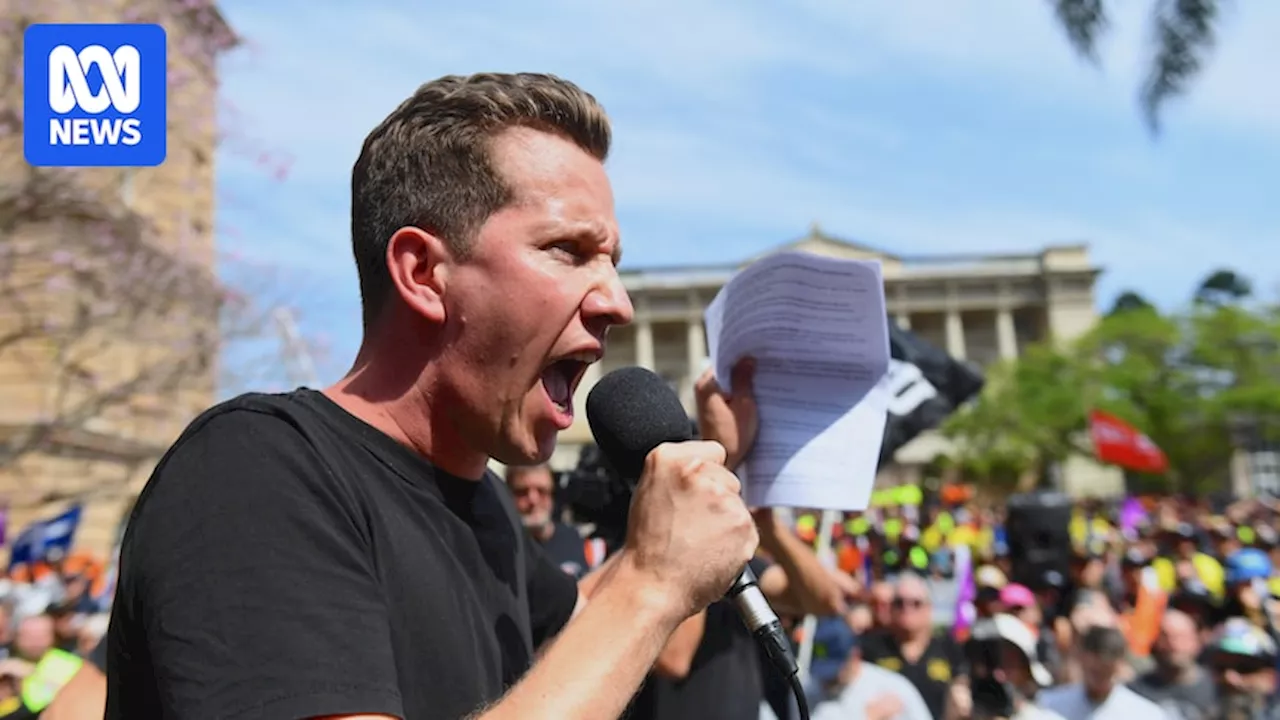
{"x": 119, "y": 318}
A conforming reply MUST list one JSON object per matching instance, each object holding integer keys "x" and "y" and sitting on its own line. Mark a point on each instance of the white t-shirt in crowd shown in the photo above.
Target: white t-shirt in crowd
{"x": 872, "y": 682}
{"x": 1071, "y": 702}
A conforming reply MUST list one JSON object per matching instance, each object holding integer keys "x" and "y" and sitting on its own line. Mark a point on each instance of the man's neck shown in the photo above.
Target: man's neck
{"x": 389, "y": 397}
{"x": 912, "y": 643}
{"x": 1174, "y": 675}
{"x": 1097, "y": 698}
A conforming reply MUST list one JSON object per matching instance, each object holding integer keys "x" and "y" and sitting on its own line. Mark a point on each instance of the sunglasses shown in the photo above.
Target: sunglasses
{"x": 912, "y": 603}
{"x": 527, "y": 491}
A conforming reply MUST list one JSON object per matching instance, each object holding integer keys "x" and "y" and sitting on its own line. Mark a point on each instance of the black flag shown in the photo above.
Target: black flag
{"x": 928, "y": 385}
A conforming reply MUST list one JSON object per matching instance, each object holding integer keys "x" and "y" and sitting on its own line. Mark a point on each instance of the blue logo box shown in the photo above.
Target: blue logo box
{"x": 95, "y": 95}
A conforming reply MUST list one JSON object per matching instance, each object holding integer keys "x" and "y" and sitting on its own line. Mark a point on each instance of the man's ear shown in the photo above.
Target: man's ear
{"x": 418, "y": 263}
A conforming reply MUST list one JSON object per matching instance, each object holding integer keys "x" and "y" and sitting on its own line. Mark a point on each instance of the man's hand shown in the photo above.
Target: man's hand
{"x": 689, "y": 533}
{"x": 959, "y": 700}
{"x": 732, "y": 420}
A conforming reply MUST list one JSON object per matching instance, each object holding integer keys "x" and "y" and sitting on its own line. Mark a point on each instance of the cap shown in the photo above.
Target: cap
{"x": 1014, "y": 595}
{"x": 990, "y": 576}
{"x": 1241, "y": 637}
{"x": 1015, "y": 632}
{"x": 833, "y": 640}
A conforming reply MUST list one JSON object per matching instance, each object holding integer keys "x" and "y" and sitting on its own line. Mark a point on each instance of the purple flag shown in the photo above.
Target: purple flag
{"x": 1132, "y": 514}
{"x": 965, "y": 612}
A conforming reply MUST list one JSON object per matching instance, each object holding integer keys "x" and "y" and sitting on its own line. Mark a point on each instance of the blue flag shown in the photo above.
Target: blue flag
{"x": 46, "y": 539}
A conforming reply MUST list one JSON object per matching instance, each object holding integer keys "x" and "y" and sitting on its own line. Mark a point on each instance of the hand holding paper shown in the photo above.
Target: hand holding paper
{"x": 817, "y": 330}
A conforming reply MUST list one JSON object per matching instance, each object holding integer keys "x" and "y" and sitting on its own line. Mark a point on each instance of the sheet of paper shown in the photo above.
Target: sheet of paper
{"x": 818, "y": 330}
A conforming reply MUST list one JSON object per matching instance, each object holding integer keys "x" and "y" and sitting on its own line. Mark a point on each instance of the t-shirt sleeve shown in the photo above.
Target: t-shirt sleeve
{"x": 553, "y": 593}
{"x": 247, "y": 567}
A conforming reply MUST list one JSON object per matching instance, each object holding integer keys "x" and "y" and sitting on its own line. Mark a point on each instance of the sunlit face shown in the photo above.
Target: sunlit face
{"x": 534, "y": 493}
{"x": 529, "y": 308}
{"x": 911, "y": 609}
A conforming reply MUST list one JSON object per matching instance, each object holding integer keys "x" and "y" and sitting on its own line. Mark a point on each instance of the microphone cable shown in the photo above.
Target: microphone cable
{"x": 768, "y": 632}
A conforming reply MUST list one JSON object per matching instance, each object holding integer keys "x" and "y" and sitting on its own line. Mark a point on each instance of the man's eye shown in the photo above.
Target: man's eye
{"x": 569, "y": 248}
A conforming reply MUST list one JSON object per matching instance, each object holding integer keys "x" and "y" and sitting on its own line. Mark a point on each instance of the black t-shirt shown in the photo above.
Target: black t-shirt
{"x": 931, "y": 674}
{"x": 287, "y": 560}
{"x": 565, "y": 549}
{"x": 724, "y": 680}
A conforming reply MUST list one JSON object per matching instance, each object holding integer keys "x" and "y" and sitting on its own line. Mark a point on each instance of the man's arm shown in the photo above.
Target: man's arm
{"x": 676, "y": 659}
{"x": 84, "y": 696}
{"x": 798, "y": 583}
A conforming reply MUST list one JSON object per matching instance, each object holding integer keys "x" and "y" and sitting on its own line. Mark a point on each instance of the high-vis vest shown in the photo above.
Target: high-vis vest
{"x": 50, "y": 674}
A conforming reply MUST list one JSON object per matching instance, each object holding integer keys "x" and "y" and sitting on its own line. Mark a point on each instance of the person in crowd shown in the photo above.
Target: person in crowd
{"x": 1005, "y": 677}
{"x": 377, "y": 568}
{"x": 1100, "y": 695}
{"x": 1247, "y": 573}
{"x": 880, "y": 600}
{"x": 859, "y": 617}
{"x": 1242, "y": 659}
{"x": 85, "y": 694}
{"x": 843, "y": 687}
{"x": 36, "y": 669}
{"x": 1018, "y": 601}
{"x": 1185, "y": 563}
{"x": 1178, "y": 683}
{"x": 934, "y": 663}
{"x": 534, "y": 489}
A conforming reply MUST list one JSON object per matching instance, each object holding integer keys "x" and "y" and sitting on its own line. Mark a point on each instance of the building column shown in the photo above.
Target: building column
{"x": 903, "y": 320}
{"x": 644, "y": 344}
{"x": 955, "y": 335}
{"x": 696, "y": 345}
{"x": 1006, "y": 337}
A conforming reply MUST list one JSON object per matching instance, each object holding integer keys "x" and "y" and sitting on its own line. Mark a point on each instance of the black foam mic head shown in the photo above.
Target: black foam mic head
{"x": 631, "y": 412}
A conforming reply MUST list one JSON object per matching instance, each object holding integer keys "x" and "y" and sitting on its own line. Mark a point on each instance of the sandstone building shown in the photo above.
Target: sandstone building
{"x": 108, "y": 298}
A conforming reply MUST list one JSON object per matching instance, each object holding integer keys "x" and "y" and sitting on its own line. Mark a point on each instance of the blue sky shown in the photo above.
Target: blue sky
{"x": 918, "y": 127}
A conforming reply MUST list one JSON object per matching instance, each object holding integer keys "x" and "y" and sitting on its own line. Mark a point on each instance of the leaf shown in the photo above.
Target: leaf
{"x": 1183, "y": 35}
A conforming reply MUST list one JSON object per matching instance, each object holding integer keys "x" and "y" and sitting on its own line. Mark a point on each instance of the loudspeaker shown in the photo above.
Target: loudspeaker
{"x": 1037, "y": 526}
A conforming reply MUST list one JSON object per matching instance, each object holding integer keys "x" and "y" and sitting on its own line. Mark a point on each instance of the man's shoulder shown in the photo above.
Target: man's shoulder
{"x": 236, "y": 444}
{"x": 269, "y": 421}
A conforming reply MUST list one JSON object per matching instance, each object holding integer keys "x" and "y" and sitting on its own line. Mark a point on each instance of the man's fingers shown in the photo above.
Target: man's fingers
{"x": 706, "y": 386}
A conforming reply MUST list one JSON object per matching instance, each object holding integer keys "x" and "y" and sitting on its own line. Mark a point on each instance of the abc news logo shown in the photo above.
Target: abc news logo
{"x": 95, "y": 95}
{"x": 69, "y": 90}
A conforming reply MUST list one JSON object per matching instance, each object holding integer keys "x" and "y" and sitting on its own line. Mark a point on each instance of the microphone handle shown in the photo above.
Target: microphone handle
{"x": 763, "y": 622}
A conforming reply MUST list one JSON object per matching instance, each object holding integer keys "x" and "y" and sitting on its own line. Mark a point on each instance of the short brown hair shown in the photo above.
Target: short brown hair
{"x": 427, "y": 164}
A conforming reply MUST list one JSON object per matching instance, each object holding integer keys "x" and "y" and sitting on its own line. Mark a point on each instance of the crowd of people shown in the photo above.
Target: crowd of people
{"x": 1165, "y": 609}
{"x": 54, "y": 615}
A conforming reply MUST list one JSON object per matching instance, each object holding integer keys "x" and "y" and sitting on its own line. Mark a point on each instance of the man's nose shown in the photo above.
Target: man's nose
{"x": 607, "y": 305}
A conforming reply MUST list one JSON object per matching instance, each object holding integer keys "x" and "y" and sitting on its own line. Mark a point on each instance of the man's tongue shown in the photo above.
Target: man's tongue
{"x": 556, "y": 383}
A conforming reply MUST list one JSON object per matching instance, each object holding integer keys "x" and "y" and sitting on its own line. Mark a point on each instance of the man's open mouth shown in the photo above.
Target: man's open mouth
{"x": 561, "y": 378}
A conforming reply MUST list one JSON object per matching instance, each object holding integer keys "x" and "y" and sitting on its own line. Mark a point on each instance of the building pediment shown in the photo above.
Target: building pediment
{"x": 819, "y": 243}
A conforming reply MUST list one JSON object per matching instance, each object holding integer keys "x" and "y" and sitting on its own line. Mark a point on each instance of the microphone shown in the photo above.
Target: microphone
{"x": 632, "y": 411}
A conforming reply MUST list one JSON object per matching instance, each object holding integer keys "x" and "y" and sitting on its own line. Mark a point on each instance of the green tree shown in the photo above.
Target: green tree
{"x": 1030, "y": 416}
{"x": 1180, "y": 377}
{"x": 1183, "y": 36}
{"x": 1128, "y": 300}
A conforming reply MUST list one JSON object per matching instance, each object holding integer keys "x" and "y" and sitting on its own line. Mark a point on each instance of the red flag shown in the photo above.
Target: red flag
{"x": 1119, "y": 443}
